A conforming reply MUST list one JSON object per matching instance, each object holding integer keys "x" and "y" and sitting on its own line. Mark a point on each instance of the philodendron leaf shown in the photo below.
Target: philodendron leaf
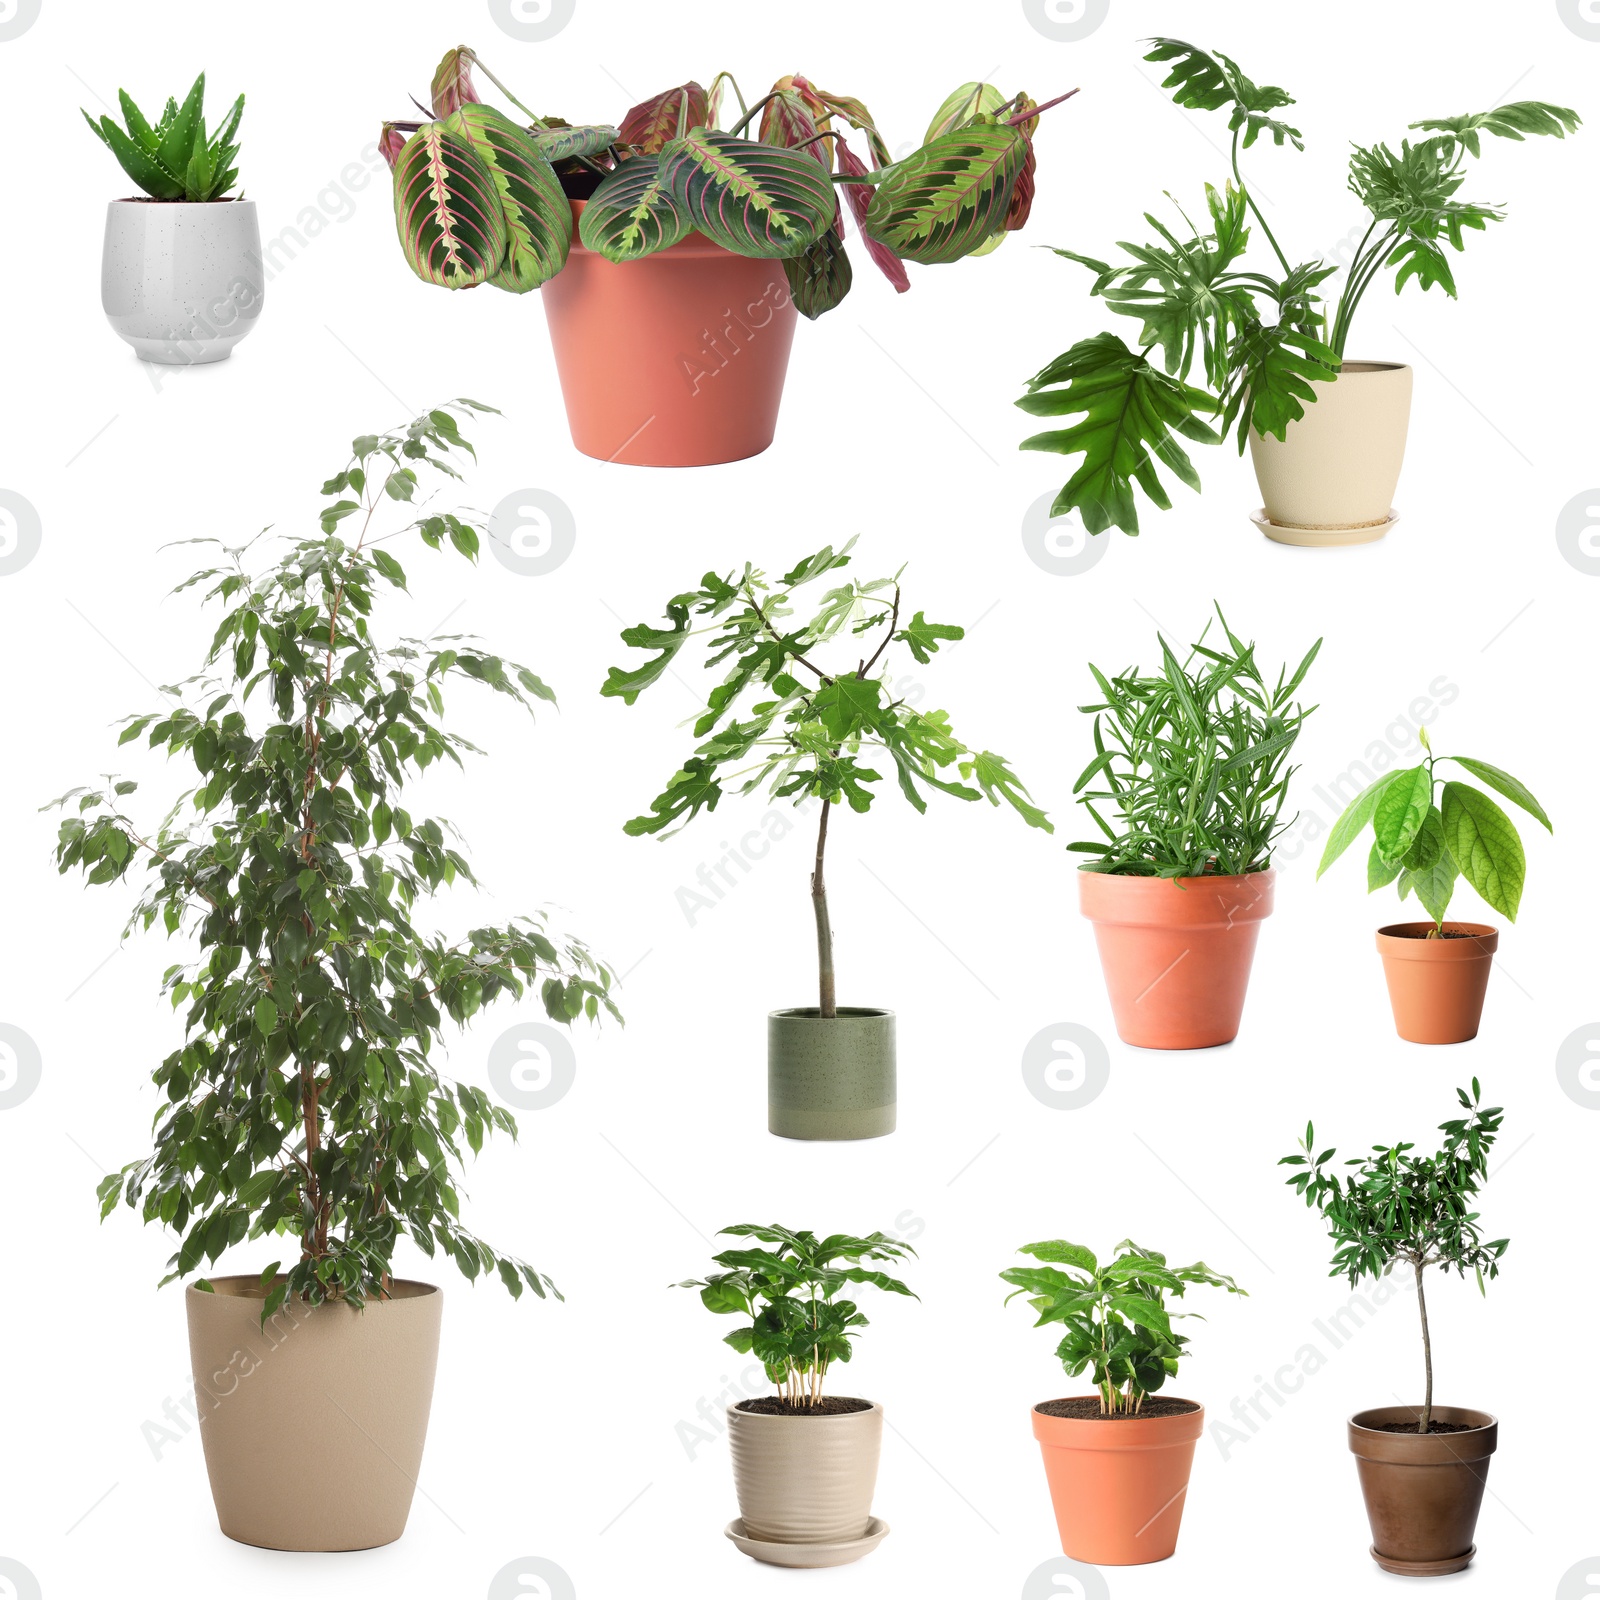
{"x": 1484, "y": 843}
{"x": 1352, "y": 820}
{"x": 653, "y": 123}
{"x": 753, "y": 199}
{"x": 1401, "y": 810}
{"x": 1510, "y": 787}
{"x": 950, "y": 196}
{"x": 448, "y": 209}
{"x": 634, "y": 212}
{"x": 538, "y": 215}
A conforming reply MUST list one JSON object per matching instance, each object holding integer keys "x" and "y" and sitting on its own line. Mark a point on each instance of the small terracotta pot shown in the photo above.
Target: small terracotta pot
{"x": 1423, "y": 1490}
{"x": 1118, "y": 1487}
{"x": 675, "y": 360}
{"x": 1176, "y": 952}
{"x": 1331, "y": 478}
{"x": 830, "y": 1077}
{"x": 1436, "y": 986}
{"x": 805, "y": 1480}
{"x": 313, "y": 1427}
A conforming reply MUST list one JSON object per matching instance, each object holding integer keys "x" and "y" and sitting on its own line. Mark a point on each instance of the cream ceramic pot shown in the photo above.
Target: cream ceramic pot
{"x": 313, "y": 1426}
{"x": 1331, "y": 479}
{"x": 182, "y": 283}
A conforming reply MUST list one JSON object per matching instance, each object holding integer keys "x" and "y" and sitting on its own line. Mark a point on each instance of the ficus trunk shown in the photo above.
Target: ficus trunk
{"x": 827, "y": 1005}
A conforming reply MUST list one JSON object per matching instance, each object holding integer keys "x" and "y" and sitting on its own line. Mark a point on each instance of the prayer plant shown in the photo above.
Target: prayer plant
{"x": 305, "y": 1104}
{"x": 481, "y": 198}
{"x": 1261, "y": 335}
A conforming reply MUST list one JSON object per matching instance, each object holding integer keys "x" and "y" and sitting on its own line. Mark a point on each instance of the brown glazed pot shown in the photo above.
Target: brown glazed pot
{"x": 805, "y": 1480}
{"x": 1436, "y": 986}
{"x": 313, "y": 1427}
{"x": 1176, "y": 952}
{"x": 1423, "y": 1490}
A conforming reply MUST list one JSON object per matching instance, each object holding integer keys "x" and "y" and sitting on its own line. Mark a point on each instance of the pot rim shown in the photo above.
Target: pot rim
{"x": 227, "y": 1286}
{"x": 1355, "y": 1421}
{"x": 1410, "y": 1449}
{"x": 1207, "y": 878}
{"x": 180, "y": 205}
{"x": 846, "y": 1014}
{"x": 839, "y": 1416}
{"x": 1399, "y": 941}
{"x": 1364, "y": 367}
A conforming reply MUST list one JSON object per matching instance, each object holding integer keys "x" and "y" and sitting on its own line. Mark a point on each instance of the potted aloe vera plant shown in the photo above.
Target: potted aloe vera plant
{"x": 1327, "y": 433}
{"x": 808, "y": 739}
{"x": 1117, "y": 1460}
{"x": 1193, "y": 763}
{"x": 805, "y": 1463}
{"x": 181, "y": 278}
{"x": 1423, "y": 1468}
{"x": 1428, "y": 831}
{"x": 304, "y": 1114}
{"x": 674, "y": 254}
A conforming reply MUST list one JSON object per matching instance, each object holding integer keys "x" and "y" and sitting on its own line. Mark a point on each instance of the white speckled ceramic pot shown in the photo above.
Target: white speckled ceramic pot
{"x": 182, "y": 283}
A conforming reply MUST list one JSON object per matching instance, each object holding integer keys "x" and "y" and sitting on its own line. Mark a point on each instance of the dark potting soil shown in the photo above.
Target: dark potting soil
{"x": 1434, "y": 1427}
{"x": 1449, "y": 933}
{"x": 830, "y": 1405}
{"x": 580, "y": 184}
{"x": 1086, "y": 1406}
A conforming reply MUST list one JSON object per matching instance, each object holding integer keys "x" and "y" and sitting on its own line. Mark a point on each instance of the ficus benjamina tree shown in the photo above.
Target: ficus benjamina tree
{"x": 1193, "y": 761}
{"x": 1262, "y": 336}
{"x": 481, "y": 198}
{"x": 1117, "y": 1321}
{"x": 805, "y": 738}
{"x": 1429, "y": 830}
{"x": 790, "y": 1293}
{"x": 1396, "y": 1209}
{"x": 306, "y": 1103}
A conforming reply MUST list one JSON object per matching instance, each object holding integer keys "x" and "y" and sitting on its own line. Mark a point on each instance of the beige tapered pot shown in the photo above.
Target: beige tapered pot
{"x": 313, "y": 1426}
{"x": 1331, "y": 479}
{"x": 806, "y": 1483}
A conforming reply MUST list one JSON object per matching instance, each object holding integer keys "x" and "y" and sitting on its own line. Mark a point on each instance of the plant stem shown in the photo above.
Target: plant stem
{"x": 826, "y": 1001}
{"x": 1023, "y": 116}
{"x": 1427, "y": 1355}
{"x": 1249, "y": 200}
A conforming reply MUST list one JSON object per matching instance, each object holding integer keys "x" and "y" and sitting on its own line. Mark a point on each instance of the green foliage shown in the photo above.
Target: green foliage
{"x": 1118, "y": 1325}
{"x": 1195, "y": 761}
{"x": 479, "y": 198}
{"x": 1262, "y": 340}
{"x": 789, "y": 1295}
{"x": 305, "y": 1102}
{"x": 175, "y": 159}
{"x": 1427, "y": 842}
{"x": 1396, "y": 1207}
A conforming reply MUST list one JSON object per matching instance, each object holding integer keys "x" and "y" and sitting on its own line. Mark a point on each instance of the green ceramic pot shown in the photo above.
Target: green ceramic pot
{"x": 833, "y": 1077}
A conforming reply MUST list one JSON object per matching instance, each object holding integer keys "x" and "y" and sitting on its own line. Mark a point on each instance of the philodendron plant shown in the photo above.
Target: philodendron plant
{"x": 1118, "y": 1325}
{"x": 305, "y": 1105}
{"x": 1260, "y": 332}
{"x": 798, "y": 1325}
{"x": 1397, "y": 1209}
{"x": 174, "y": 159}
{"x": 1194, "y": 759}
{"x": 1428, "y": 830}
{"x": 805, "y": 739}
{"x": 482, "y": 198}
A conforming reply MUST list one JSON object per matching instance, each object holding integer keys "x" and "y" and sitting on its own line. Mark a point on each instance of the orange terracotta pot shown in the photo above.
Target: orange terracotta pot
{"x": 1436, "y": 986}
{"x": 1118, "y": 1487}
{"x": 676, "y": 360}
{"x": 1176, "y": 952}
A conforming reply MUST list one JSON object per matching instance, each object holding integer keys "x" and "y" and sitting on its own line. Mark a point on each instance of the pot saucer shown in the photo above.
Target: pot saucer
{"x": 1423, "y": 1569}
{"x": 1321, "y": 538}
{"x": 809, "y": 1555}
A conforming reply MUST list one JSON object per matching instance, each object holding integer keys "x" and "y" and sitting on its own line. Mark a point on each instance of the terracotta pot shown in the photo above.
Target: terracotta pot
{"x": 806, "y": 1480}
{"x": 1176, "y": 952}
{"x": 830, "y": 1077}
{"x": 1422, "y": 1490}
{"x": 1331, "y": 479}
{"x": 1436, "y": 986}
{"x": 676, "y": 360}
{"x": 1118, "y": 1487}
{"x": 313, "y": 1427}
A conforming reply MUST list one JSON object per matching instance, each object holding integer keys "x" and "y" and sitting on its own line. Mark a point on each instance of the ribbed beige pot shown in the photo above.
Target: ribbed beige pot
{"x": 313, "y": 1427}
{"x": 1331, "y": 479}
{"x": 805, "y": 1480}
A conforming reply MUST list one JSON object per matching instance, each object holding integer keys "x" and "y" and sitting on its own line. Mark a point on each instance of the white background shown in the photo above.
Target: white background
{"x": 556, "y": 1427}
